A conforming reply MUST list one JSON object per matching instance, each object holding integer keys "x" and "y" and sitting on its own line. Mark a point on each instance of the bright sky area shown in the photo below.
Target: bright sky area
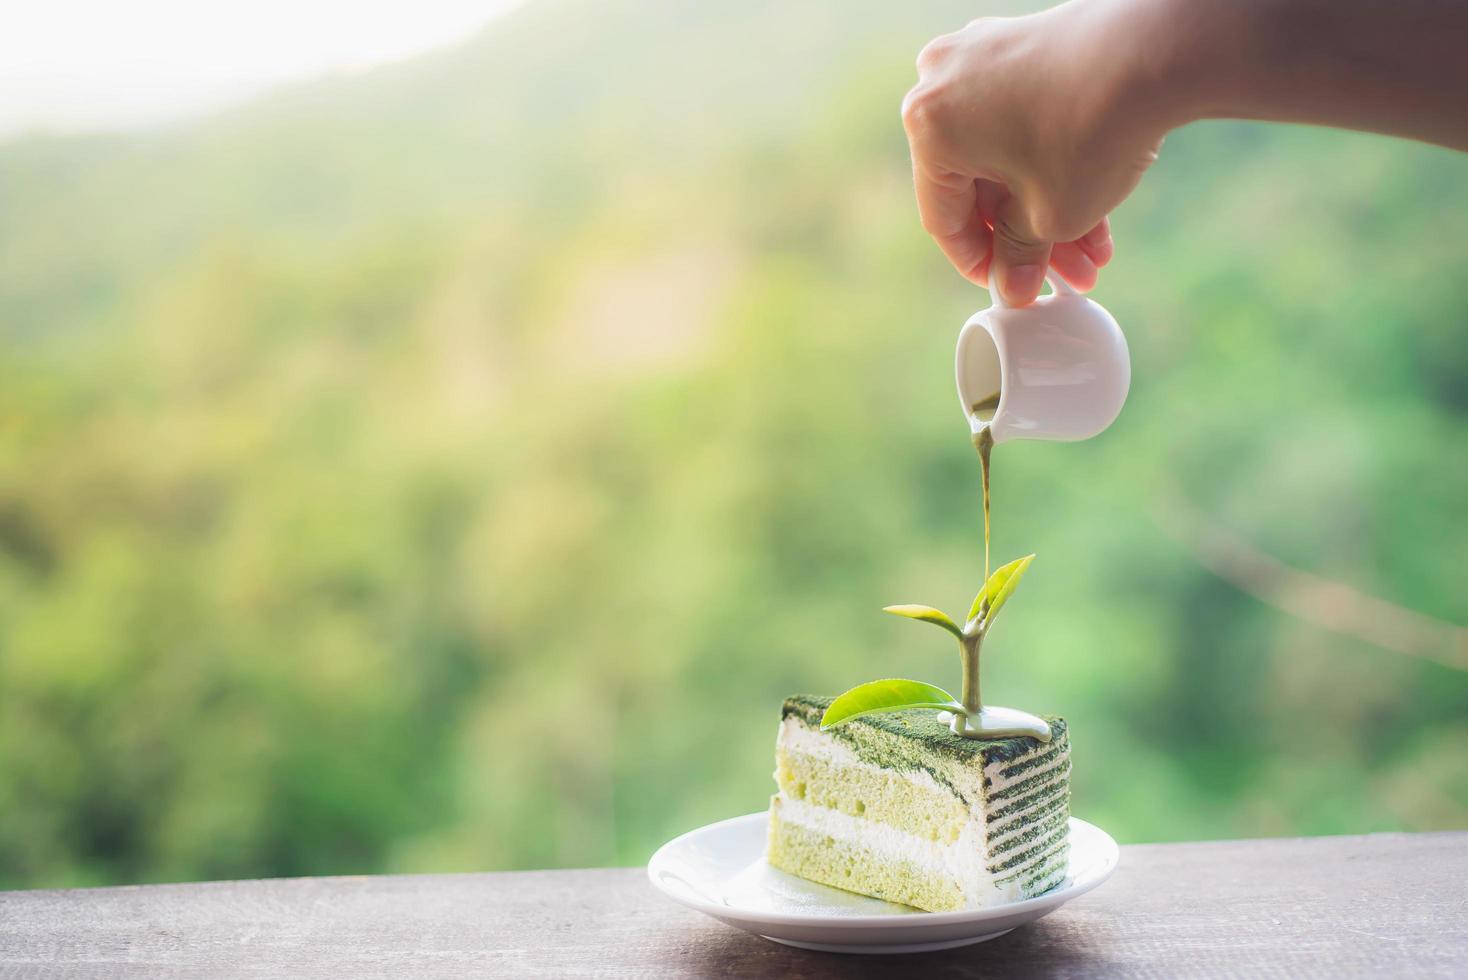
{"x": 76, "y": 65}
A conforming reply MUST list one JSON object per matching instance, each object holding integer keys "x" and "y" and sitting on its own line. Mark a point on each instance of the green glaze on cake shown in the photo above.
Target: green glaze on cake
{"x": 923, "y": 727}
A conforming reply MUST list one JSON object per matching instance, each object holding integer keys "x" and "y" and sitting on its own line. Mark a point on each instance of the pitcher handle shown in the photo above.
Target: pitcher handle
{"x": 1058, "y": 286}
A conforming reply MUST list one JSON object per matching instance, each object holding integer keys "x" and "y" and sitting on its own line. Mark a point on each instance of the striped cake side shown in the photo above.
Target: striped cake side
{"x": 1027, "y": 805}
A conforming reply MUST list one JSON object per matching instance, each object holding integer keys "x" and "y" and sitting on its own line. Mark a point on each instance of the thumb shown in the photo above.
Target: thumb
{"x": 1020, "y": 256}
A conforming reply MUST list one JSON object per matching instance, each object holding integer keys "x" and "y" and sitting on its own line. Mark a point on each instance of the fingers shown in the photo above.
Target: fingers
{"x": 947, "y": 203}
{"x": 1078, "y": 262}
{"x": 978, "y": 225}
{"x": 1020, "y": 256}
{"x": 1070, "y": 260}
{"x": 1097, "y": 243}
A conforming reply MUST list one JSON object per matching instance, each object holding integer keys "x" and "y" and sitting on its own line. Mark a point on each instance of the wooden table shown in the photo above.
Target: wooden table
{"x": 1386, "y": 904}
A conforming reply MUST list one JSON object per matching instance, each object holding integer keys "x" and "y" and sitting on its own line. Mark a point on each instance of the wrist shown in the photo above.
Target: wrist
{"x": 1176, "y": 58}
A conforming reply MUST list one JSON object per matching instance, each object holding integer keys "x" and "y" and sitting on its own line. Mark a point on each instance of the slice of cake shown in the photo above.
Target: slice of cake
{"x": 898, "y": 807}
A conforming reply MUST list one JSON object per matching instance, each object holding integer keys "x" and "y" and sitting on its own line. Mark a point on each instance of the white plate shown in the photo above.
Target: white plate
{"x": 720, "y": 870}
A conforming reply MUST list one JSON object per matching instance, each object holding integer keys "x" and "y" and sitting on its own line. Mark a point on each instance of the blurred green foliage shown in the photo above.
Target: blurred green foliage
{"x": 452, "y": 467}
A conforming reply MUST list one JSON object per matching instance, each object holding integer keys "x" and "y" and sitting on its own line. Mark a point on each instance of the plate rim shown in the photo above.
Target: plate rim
{"x": 1052, "y": 898}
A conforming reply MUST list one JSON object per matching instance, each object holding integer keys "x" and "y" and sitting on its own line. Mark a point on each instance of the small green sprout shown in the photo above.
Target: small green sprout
{"x": 897, "y": 694}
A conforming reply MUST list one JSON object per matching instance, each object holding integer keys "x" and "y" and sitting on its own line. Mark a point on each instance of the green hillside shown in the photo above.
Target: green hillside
{"x": 453, "y": 466}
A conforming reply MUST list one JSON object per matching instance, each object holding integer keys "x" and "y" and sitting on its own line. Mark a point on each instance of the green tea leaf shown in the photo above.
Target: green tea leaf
{"x": 892, "y": 694}
{"x": 927, "y": 614}
{"x": 998, "y": 589}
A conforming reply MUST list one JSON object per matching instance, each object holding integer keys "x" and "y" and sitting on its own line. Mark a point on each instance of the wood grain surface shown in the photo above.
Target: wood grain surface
{"x": 1391, "y": 905}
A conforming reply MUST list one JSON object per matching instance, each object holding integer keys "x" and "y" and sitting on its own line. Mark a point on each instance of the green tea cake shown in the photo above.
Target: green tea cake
{"x": 898, "y": 807}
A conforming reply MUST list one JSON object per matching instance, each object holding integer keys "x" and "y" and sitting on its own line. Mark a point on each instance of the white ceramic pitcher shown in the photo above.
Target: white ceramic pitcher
{"x": 1060, "y": 367}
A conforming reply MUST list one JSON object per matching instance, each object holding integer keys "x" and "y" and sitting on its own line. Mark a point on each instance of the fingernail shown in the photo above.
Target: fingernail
{"x": 1021, "y": 283}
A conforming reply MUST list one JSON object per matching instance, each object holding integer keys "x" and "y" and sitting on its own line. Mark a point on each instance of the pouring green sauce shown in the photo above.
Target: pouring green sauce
{"x": 967, "y": 716}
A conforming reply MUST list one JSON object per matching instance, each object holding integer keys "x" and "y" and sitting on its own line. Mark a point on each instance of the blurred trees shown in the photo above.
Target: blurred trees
{"x": 452, "y": 467}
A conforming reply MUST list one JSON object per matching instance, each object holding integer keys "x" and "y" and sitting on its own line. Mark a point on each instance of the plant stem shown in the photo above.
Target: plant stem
{"x": 971, "y": 642}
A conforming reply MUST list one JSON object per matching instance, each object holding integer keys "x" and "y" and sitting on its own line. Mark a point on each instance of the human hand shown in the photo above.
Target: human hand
{"x": 1025, "y": 133}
